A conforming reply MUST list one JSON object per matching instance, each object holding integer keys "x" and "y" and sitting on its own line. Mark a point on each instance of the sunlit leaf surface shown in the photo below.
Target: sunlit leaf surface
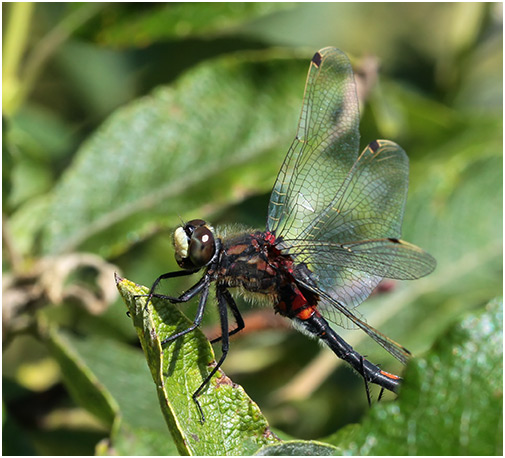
{"x": 233, "y": 423}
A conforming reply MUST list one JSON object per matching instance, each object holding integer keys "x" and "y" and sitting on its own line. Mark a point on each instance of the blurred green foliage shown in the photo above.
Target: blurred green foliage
{"x": 118, "y": 119}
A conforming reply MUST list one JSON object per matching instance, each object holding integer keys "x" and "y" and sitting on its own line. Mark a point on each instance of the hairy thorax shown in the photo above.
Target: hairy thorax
{"x": 253, "y": 263}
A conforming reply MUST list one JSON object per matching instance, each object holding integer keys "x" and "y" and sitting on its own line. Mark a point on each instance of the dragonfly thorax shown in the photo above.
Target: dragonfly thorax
{"x": 254, "y": 263}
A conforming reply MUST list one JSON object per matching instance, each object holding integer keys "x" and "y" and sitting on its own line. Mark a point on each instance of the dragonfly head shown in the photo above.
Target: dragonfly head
{"x": 195, "y": 244}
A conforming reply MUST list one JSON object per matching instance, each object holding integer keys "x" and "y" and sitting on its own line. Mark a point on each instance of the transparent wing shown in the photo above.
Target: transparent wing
{"x": 352, "y": 243}
{"x": 369, "y": 202}
{"x": 390, "y": 258}
{"x": 343, "y": 276}
{"x": 325, "y": 147}
{"x": 348, "y": 273}
{"x": 397, "y": 350}
{"x": 337, "y": 213}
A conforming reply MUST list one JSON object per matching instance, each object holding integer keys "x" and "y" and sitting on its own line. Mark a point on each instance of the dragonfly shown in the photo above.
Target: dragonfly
{"x": 332, "y": 232}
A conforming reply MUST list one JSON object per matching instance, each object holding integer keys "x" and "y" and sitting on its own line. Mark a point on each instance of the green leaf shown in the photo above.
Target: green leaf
{"x": 233, "y": 423}
{"x": 129, "y": 440}
{"x": 81, "y": 381}
{"x": 451, "y": 401}
{"x": 121, "y": 371}
{"x": 111, "y": 380}
{"x": 184, "y": 20}
{"x": 173, "y": 152}
{"x": 299, "y": 448}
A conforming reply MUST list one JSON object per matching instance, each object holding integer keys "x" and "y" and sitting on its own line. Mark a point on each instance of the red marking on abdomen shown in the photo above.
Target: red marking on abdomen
{"x": 296, "y": 305}
{"x": 305, "y": 314}
{"x": 299, "y": 302}
{"x": 391, "y": 376}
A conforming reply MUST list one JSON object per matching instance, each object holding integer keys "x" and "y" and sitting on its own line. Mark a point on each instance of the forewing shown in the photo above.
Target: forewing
{"x": 325, "y": 147}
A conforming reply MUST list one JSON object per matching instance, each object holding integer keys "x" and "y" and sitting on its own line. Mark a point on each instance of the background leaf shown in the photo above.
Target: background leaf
{"x": 86, "y": 365}
{"x": 172, "y": 21}
{"x": 451, "y": 403}
{"x": 299, "y": 448}
{"x": 168, "y": 144}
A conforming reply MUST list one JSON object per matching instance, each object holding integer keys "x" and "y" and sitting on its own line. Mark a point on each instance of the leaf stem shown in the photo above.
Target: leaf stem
{"x": 16, "y": 38}
{"x": 56, "y": 37}
{"x": 19, "y": 83}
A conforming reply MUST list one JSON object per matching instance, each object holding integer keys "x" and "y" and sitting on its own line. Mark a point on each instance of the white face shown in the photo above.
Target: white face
{"x": 181, "y": 242}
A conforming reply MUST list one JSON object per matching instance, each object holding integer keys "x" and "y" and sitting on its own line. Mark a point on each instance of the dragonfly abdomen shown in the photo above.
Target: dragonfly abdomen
{"x": 319, "y": 327}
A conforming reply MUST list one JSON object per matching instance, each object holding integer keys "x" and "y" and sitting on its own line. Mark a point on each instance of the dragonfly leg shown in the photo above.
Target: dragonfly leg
{"x": 179, "y": 273}
{"x": 367, "y": 388}
{"x": 203, "y": 287}
{"x": 222, "y": 300}
{"x": 236, "y": 314}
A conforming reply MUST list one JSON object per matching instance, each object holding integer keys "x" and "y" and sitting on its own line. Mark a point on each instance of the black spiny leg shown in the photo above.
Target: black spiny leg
{"x": 236, "y": 314}
{"x": 179, "y": 273}
{"x": 222, "y": 299}
{"x": 367, "y": 388}
{"x": 203, "y": 287}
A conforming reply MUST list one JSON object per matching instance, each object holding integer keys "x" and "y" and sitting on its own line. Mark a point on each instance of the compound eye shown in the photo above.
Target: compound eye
{"x": 190, "y": 226}
{"x": 202, "y": 246}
